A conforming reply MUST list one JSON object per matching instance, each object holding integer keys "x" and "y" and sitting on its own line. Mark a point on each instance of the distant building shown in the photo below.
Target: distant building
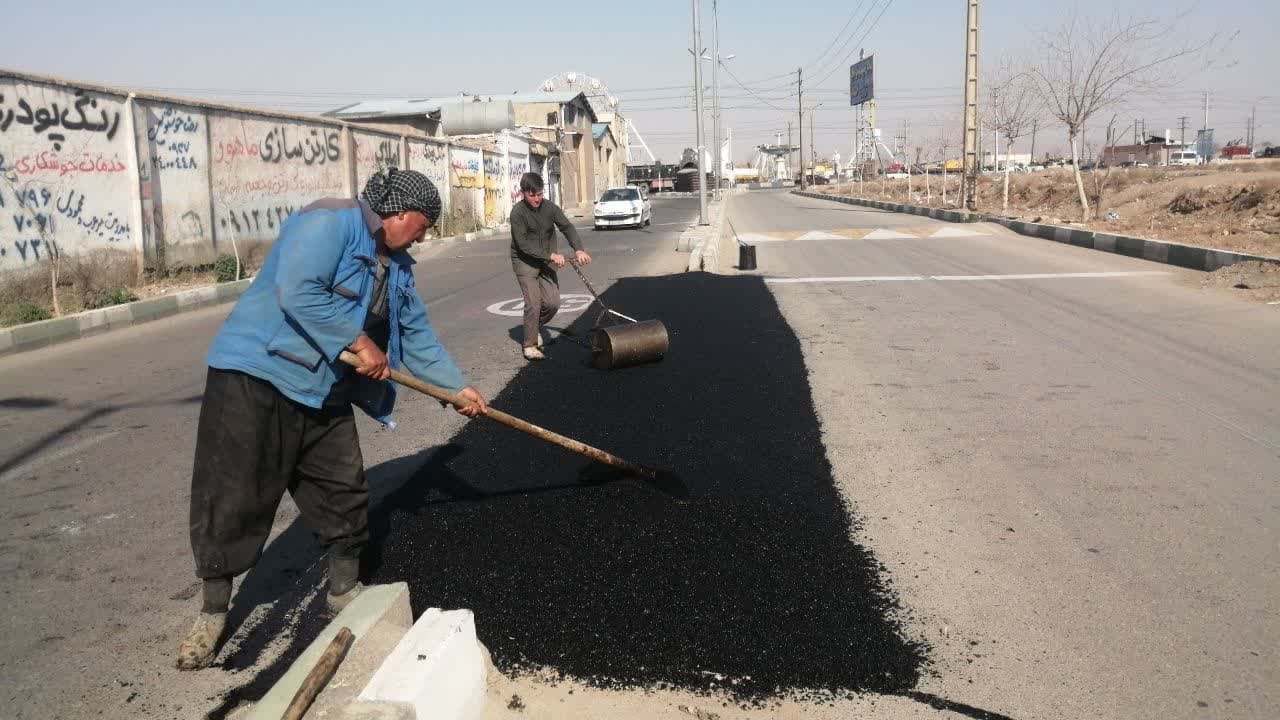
{"x": 1154, "y": 150}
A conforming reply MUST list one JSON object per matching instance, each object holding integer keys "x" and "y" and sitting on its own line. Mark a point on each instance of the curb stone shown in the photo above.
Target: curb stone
{"x": 1160, "y": 251}
{"x": 21, "y": 338}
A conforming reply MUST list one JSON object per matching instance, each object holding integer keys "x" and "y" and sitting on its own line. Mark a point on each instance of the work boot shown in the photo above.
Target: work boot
{"x": 533, "y": 353}
{"x": 344, "y": 582}
{"x": 338, "y": 603}
{"x": 200, "y": 646}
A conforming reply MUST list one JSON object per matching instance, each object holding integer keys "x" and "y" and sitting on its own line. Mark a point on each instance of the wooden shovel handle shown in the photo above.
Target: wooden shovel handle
{"x": 320, "y": 675}
{"x": 510, "y": 421}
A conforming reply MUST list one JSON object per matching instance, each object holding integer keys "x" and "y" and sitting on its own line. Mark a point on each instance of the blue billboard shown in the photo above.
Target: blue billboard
{"x": 862, "y": 81}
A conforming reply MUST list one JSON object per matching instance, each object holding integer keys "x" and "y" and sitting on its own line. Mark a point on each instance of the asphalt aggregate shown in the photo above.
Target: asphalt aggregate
{"x": 737, "y": 572}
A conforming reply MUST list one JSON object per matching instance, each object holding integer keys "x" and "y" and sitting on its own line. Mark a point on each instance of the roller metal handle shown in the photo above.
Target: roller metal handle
{"x": 595, "y": 294}
{"x": 510, "y": 421}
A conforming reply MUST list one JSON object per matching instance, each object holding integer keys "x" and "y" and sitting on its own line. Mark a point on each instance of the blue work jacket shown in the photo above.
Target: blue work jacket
{"x": 309, "y": 302}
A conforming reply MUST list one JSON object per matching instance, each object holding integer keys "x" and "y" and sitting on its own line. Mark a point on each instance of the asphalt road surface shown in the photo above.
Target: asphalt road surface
{"x": 1069, "y": 466}
{"x": 930, "y": 474}
{"x": 96, "y": 441}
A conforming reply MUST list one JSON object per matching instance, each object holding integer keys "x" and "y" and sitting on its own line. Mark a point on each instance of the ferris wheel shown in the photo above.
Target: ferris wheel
{"x": 597, "y": 92}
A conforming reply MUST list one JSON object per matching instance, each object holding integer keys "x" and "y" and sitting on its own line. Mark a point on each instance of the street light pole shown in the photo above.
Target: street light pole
{"x": 697, "y": 100}
{"x": 715, "y": 92}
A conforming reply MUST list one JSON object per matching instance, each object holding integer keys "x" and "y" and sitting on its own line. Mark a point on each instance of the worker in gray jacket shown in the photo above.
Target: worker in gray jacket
{"x": 534, "y": 258}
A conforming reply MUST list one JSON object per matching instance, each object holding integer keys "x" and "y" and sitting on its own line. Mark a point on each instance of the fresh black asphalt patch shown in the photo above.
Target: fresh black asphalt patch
{"x": 752, "y": 585}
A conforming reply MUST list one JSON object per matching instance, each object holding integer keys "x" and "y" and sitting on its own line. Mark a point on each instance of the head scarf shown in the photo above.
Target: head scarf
{"x": 392, "y": 191}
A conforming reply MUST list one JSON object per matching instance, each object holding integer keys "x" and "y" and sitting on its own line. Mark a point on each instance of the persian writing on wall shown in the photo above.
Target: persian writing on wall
{"x": 262, "y": 170}
{"x": 64, "y": 180}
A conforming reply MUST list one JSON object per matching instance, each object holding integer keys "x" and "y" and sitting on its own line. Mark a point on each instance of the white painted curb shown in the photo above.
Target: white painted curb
{"x": 439, "y": 668}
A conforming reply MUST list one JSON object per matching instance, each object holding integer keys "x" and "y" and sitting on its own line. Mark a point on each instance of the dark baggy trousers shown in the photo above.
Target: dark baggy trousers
{"x": 253, "y": 443}
{"x": 541, "y": 302}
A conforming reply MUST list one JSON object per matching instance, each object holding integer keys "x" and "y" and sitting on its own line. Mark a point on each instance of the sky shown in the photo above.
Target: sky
{"x": 316, "y": 56}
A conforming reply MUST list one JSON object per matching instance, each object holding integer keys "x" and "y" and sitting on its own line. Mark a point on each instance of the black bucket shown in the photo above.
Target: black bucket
{"x": 628, "y": 344}
{"x": 746, "y": 256}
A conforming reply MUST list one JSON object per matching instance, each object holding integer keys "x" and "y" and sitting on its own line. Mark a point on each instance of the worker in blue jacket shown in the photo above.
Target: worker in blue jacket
{"x": 277, "y": 412}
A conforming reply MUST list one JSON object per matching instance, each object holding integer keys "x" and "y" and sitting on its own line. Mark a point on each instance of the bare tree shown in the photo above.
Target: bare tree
{"x": 1102, "y": 173}
{"x": 1015, "y": 105}
{"x": 1092, "y": 66}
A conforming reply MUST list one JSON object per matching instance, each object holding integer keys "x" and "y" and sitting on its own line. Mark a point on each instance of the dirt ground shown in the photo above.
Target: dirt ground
{"x": 1232, "y": 206}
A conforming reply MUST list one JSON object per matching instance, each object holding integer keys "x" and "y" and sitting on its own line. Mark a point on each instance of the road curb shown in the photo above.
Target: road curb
{"x": 1160, "y": 251}
{"x": 31, "y": 336}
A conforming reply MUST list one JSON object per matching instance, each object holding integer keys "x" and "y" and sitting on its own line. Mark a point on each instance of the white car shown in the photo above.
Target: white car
{"x": 622, "y": 207}
{"x": 1185, "y": 158}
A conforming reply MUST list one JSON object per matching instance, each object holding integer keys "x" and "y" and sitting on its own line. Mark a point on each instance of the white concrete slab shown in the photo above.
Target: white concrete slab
{"x": 439, "y": 667}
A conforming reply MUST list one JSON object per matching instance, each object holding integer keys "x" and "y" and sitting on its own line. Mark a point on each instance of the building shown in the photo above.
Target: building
{"x": 1154, "y": 150}
{"x": 564, "y": 119}
{"x": 610, "y": 161}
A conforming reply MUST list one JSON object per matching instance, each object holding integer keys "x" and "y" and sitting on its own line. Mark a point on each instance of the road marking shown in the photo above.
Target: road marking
{"x": 950, "y": 232}
{"x": 819, "y": 235}
{"x": 948, "y": 278}
{"x": 72, "y": 449}
{"x": 569, "y": 303}
{"x": 1051, "y": 276}
{"x": 851, "y": 279}
{"x": 883, "y": 234}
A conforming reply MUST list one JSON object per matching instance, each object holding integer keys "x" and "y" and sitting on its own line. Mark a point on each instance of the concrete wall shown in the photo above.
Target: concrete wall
{"x": 67, "y": 172}
{"x": 266, "y": 168}
{"x": 374, "y": 153}
{"x": 466, "y": 188}
{"x": 178, "y": 182}
{"x": 432, "y": 159}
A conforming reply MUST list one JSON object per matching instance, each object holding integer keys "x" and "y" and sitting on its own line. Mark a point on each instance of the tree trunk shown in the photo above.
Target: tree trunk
{"x": 1075, "y": 168}
{"x": 944, "y": 183}
{"x": 928, "y": 192}
{"x": 55, "y": 260}
{"x": 1005, "y": 206}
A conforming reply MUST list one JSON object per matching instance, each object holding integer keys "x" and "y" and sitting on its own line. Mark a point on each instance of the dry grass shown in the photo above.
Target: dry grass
{"x": 1232, "y": 206}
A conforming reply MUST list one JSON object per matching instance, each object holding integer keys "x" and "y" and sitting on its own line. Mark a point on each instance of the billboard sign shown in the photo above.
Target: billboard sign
{"x": 861, "y": 81}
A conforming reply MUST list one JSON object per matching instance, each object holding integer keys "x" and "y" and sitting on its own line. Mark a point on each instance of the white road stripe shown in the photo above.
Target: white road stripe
{"x": 945, "y": 278}
{"x": 852, "y": 279}
{"x": 1050, "y": 276}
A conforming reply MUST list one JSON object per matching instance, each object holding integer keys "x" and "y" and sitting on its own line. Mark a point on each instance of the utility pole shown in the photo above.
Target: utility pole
{"x": 1253, "y": 123}
{"x": 813, "y": 153}
{"x": 789, "y": 147}
{"x": 1206, "y": 110}
{"x": 1035, "y": 124}
{"x": 1182, "y": 133}
{"x": 697, "y": 101}
{"x": 969, "y": 194}
{"x": 800, "y": 107}
{"x": 715, "y": 90}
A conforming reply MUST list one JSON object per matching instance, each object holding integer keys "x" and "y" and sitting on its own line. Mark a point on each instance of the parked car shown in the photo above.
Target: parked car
{"x": 1271, "y": 152}
{"x": 623, "y": 206}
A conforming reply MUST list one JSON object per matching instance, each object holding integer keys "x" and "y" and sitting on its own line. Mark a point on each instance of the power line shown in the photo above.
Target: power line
{"x": 887, "y": 4}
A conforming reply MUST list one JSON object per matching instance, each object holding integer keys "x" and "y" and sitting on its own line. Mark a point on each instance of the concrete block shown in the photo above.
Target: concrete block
{"x": 380, "y": 606}
{"x": 199, "y": 296}
{"x": 1155, "y": 251}
{"x": 6, "y": 341}
{"x": 45, "y": 332}
{"x": 439, "y": 668}
{"x": 1190, "y": 257}
{"x": 92, "y": 321}
{"x": 1214, "y": 259}
{"x": 154, "y": 308}
{"x": 468, "y": 237}
{"x": 1130, "y": 246}
{"x": 119, "y": 315}
{"x": 378, "y": 711}
{"x": 1104, "y": 242}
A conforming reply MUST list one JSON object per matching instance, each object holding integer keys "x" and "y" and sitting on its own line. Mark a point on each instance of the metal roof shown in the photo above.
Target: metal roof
{"x": 412, "y": 107}
{"x": 598, "y": 130}
{"x": 392, "y": 107}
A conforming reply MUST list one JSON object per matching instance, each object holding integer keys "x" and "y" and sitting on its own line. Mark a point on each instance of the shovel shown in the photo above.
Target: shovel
{"x": 665, "y": 481}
